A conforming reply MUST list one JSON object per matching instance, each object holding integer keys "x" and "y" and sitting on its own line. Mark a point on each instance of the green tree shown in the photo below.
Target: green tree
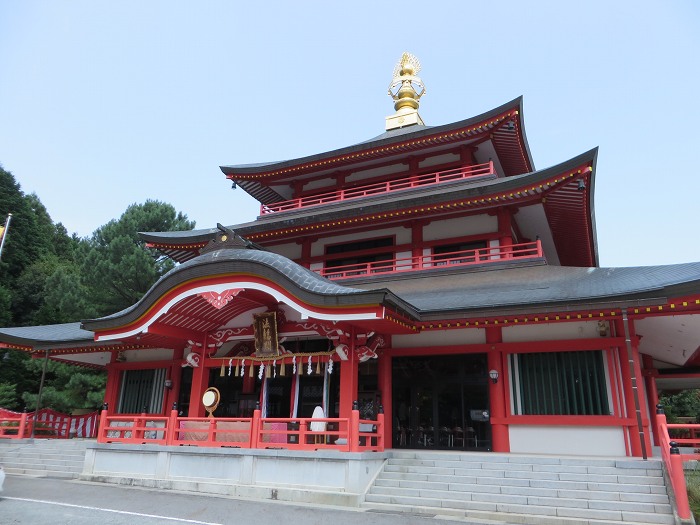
{"x": 682, "y": 404}
{"x": 8, "y": 399}
{"x": 117, "y": 266}
{"x": 66, "y": 387}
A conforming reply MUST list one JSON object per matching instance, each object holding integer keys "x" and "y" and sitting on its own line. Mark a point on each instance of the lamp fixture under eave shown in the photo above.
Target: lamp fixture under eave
{"x": 581, "y": 185}
{"x": 493, "y": 374}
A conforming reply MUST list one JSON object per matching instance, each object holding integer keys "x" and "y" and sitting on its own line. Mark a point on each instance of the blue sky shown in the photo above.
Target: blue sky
{"x": 105, "y": 104}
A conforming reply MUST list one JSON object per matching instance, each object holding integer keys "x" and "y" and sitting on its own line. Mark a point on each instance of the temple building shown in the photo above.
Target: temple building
{"x": 430, "y": 280}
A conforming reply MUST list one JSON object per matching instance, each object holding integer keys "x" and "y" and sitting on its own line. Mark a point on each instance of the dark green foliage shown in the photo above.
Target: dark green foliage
{"x": 682, "y": 404}
{"x": 117, "y": 266}
{"x": 48, "y": 276}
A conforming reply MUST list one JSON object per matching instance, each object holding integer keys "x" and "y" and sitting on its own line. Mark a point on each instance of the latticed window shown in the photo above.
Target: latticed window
{"x": 559, "y": 383}
{"x": 142, "y": 391}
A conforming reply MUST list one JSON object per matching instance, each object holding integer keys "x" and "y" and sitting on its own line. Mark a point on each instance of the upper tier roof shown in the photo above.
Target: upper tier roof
{"x": 569, "y": 210}
{"x": 502, "y": 125}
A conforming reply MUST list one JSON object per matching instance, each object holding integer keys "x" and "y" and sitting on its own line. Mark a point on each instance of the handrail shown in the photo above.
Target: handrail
{"x": 422, "y": 262}
{"x": 343, "y": 434}
{"x": 403, "y": 183}
{"x": 673, "y": 459}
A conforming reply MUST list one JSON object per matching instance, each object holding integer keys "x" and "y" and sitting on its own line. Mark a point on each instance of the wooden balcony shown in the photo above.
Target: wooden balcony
{"x": 527, "y": 250}
{"x": 390, "y": 186}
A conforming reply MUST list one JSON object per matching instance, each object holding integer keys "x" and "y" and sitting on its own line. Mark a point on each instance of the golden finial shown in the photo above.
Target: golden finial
{"x": 406, "y": 89}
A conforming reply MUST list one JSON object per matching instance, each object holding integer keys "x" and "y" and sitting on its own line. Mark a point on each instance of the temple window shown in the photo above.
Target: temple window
{"x": 379, "y": 253}
{"x": 142, "y": 391}
{"x": 559, "y": 383}
{"x": 457, "y": 253}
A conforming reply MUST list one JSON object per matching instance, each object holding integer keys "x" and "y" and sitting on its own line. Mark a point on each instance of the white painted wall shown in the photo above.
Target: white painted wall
{"x": 377, "y": 172}
{"x": 570, "y": 440}
{"x": 460, "y": 227}
{"x": 552, "y": 331}
{"x": 435, "y": 338}
{"x": 155, "y": 354}
{"x": 438, "y": 159}
{"x": 289, "y": 250}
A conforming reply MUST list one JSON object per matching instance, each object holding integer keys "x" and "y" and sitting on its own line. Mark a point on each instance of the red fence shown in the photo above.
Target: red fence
{"x": 423, "y": 262}
{"x": 403, "y": 183}
{"x": 48, "y": 424}
{"x": 685, "y": 435}
{"x": 349, "y": 435}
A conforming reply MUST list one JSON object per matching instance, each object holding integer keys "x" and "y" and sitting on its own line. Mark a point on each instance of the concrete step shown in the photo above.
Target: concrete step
{"x": 503, "y": 513}
{"x": 523, "y": 489}
{"x": 527, "y": 499}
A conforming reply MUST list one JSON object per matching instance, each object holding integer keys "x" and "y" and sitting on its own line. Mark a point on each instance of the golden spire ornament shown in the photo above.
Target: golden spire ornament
{"x": 406, "y": 89}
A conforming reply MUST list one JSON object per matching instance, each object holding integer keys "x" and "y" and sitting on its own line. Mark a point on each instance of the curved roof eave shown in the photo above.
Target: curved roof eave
{"x": 301, "y": 282}
{"x": 45, "y": 335}
{"x": 546, "y": 288}
{"x": 384, "y": 139}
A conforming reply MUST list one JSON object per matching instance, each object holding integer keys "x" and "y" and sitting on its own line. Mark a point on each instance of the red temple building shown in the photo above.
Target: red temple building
{"x": 427, "y": 289}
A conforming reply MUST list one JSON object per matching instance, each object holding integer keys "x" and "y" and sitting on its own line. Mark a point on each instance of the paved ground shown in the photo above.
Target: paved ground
{"x": 42, "y": 501}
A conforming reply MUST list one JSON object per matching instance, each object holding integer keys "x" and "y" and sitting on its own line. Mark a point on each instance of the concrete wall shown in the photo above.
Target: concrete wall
{"x": 321, "y": 476}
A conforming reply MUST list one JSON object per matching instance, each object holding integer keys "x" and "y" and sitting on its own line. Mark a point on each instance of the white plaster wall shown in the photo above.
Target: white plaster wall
{"x": 290, "y": 250}
{"x": 460, "y": 227}
{"x": 438, "y": 159}
{"x": 551, "y": 331}
{"x": 440, "y": 338}
{"x": 329, "y": 184}
{"x": 402, "y": 236}
{"x": 156, "y": 354}
{"x": 575, "y": 441}
{"x": 377, "y": 172}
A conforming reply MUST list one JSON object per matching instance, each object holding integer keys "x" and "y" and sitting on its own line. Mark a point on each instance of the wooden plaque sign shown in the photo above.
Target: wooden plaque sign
{"x": 265, "y": 327}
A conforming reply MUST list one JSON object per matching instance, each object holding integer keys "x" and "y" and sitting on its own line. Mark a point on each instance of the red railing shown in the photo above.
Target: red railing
{"x": 357, "y": 192}
{"x": 688, "y": 436}
{"x": 424, "y": 262}
{"x": 49, "y": 424}
{"x": 350, "y": 434}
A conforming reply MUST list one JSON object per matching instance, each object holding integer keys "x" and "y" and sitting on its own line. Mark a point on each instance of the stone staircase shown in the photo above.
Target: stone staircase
{"x": 51, "y": 458}
{"x": 543, "y": 490}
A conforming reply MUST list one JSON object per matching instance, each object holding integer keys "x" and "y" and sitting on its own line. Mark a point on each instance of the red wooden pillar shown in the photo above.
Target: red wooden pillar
{"x": 629, "y": 394}
{"x": 497, "y": 395}
{"x": 384, "y": 381}
{"x": 175, "y": 376}
{"x": 505, "y": 235}
{"x": 643, "y": 406}
{"x": 200, "y": 382}
{"x": 112, "y": 387}
{"x": 417, "y": 242}
{"x": 348, "y": 381}
{"x": 652, "y": 394}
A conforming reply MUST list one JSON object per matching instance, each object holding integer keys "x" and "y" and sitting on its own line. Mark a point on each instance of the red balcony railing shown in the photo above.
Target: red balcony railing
{"x": 527, "y": 250}
{"x": 357, "y": 192}
{"x": 343, "y": 434}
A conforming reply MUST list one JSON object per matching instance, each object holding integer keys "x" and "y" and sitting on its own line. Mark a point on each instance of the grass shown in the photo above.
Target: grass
{"x": 692, "y": 480}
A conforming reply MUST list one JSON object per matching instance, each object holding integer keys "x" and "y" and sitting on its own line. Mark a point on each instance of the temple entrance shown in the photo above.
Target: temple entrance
{"x": 441, "y": 402}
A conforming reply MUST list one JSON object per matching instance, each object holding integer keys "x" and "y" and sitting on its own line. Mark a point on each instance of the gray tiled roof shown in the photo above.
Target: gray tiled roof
{"x": 38, "y": 335}
{"x": 304, "y": 283}
{"x": 381, "y": 140}
{"x": 494, "y": 288}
